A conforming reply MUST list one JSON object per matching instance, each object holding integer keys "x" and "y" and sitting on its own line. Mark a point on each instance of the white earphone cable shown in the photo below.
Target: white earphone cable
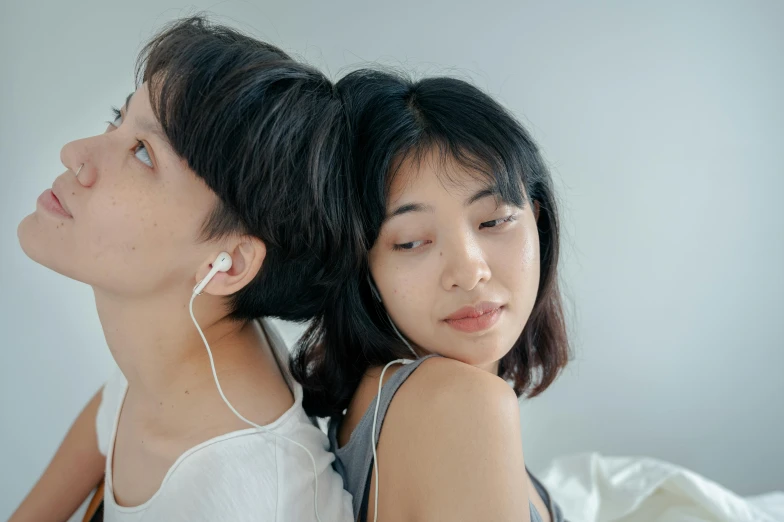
{"x": 378, "y": 403}
{"x": 373, "y": 433}
{"x": 261, "y": 428}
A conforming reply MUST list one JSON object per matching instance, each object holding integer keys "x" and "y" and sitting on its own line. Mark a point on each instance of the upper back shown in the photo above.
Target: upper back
{"x": 355, "y": 457}
{"x": 450, "y": 440}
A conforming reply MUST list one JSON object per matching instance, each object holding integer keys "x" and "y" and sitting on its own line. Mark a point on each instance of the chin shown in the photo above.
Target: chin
{"x": 29, "y": 237}
{"x": 36, "y": 245}
{"x": 478, "y": 354}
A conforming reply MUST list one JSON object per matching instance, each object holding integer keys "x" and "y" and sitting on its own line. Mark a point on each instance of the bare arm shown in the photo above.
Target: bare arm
{"x": 75, "y": 470}
{"x": 451, "y": 449}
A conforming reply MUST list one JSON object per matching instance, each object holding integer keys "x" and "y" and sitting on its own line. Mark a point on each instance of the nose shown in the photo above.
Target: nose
{"x": 81, "y": 156}
{"x": 464, "y": 263}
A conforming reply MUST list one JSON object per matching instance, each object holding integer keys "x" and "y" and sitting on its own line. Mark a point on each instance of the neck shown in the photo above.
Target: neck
{"x": 160, "y": 352}
{"x": 491, "y": 367}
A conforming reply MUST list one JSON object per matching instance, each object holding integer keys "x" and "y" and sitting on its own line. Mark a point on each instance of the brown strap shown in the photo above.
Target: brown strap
{"x": 95, "y": 503}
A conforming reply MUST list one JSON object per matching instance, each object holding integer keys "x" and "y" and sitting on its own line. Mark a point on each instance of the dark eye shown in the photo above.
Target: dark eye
{"x": 141, "y": 153}
{"x": 411, "y": 245}
{"x": 497, "y": 222}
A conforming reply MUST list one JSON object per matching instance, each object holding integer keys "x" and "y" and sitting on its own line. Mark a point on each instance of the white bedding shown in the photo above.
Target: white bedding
{"x": 593, "y": 488}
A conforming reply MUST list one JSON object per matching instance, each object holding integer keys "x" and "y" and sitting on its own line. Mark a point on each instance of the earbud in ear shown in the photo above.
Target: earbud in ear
{"x": 221, "y": 264}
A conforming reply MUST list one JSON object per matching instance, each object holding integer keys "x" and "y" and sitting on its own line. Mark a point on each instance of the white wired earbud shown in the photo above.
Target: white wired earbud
{"x": 223, "y": 264}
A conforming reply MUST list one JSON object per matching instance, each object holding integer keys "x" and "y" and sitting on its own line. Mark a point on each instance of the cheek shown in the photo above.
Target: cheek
{"x": 530, "y": 255}
{"x": 121, "y": 224}
{"x": 131, "y": 226}
{"x": 397, "y": 287}
{"x": 406, "y": 294}
{"x": 521, "y": 272}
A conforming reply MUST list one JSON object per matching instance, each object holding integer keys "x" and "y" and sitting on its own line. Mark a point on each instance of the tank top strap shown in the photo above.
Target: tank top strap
{"x": 389, "y": 389}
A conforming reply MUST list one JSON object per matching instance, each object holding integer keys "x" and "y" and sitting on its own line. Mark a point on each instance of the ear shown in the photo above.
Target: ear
{"x": 247, "y": 256}
{"x": 536, "y": 211}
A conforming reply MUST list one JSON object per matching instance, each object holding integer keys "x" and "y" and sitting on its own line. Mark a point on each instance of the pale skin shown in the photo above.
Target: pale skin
{"x": 446, "y": 243}
{"x": 137, "y": 211}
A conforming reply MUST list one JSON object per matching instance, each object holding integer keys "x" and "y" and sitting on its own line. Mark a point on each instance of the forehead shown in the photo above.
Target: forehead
{"x": 139, "y": 101}
{"x": 434, "y": 174}
{"x": 138, "y": 107}
{"x": 138, "y": 110}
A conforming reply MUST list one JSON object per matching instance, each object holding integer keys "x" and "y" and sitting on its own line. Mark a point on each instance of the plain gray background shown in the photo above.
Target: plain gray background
{"x": 662, "y": 123}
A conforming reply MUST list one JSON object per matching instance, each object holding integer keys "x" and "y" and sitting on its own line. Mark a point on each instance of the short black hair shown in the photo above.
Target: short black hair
{"x": 268, "y": 135}
{"x": 394, "y": 118}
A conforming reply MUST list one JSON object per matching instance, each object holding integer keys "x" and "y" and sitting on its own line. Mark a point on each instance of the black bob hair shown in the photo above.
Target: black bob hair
{"x": 393, "y": 119}
{"x": 269, "y": 136}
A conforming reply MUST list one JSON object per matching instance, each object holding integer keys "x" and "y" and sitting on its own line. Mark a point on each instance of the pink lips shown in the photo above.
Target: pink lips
{"x": 475, "y": 318}
{"x": 49, "y": 201}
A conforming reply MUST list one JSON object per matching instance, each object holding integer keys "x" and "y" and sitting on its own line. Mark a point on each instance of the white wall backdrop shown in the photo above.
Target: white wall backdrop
{"x": 664, "y": 127}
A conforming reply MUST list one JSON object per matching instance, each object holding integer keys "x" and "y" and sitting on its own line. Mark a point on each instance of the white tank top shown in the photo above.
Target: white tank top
{"x": 243, "y": 475}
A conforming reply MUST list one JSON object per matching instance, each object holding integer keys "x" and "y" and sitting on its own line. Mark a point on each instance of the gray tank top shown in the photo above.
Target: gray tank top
{"x": 354, "y": 461}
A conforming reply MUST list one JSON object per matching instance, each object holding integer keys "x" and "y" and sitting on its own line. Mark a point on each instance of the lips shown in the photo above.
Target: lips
{"x": 473, "y": 311}
{"x": 51, "y": 203}
{"x": 56, "y": 192}
{"x": 475, "y": 318}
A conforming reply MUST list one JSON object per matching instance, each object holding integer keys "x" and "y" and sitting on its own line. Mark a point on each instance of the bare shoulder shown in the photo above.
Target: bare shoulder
{"x": 444, "y": 388}
{"x": 454, "y": 432}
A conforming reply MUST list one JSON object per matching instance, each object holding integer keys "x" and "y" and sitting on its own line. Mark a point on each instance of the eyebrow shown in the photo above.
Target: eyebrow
{"x": 410, "y": 207}
{"x": 484, "y": 193}
{"x": 491, "y": 191}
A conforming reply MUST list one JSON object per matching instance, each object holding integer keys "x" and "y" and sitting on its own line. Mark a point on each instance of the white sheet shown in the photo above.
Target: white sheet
{"x": 593, "y": 488}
